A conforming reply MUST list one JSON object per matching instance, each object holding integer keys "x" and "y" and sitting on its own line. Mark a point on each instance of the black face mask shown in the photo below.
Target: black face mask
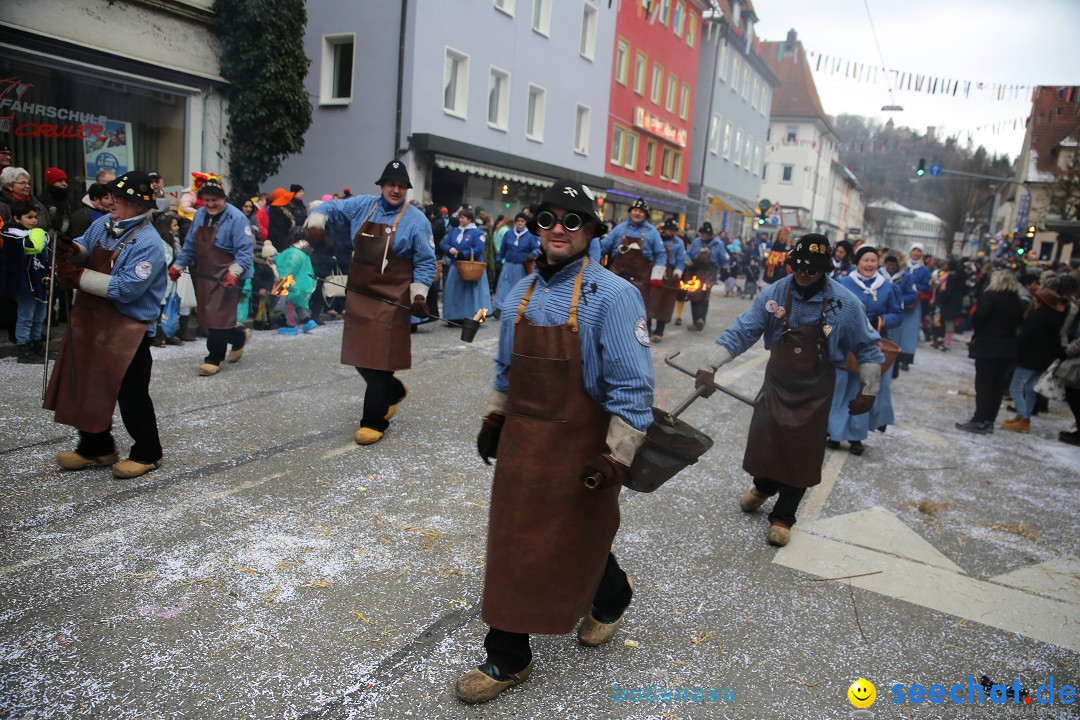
{"x": 58, "y": 193}
{"x": 812, "y": 289}
{"x": 547, "y": 271}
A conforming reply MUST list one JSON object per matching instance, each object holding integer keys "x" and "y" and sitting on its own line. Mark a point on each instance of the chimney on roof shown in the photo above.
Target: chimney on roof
{"x": 789, "y": 44}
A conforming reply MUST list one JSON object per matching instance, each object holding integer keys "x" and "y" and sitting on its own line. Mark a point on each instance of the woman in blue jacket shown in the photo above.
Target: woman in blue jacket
{"x": 518, "y": 247}
{"x": 884, "y": 311}
{"x": 904, "y": 282}
{"x": 462, "y": 298}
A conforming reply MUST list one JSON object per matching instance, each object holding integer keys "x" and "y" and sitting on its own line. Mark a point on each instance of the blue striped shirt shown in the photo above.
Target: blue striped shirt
{"x": 675, "y": 253}
{"x": 139, "y": 275}
{"x": 717, "y": 252}
{"x": 845, "y": 314}
{"x": 412, "y": 240}
{"x": 617, "y": 368}
{"x": 233, "y": 236}
{"x": 648, "y": 235}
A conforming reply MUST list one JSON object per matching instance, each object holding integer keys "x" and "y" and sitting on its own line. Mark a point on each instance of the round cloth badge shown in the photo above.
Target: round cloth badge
{"x": 247, "y": 230}
{"x": 143, "y": 270}
{"x": 771, "y": 306}
{"x": 641, "y": 332}
{"x": 780, "y": 312}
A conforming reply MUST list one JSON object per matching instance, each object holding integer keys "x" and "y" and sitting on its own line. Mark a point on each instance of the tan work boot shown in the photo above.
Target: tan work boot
{"x": 592, "y": 632}
{"x": 393, "y": 408}
{"x": 367, "y": 436}
{"x": 71, "y": 460}
{"x": 1017, "y": 424}
{"x": 235, "y": 355}
{"x": 476, "y": 686}
{"x": 752, "y": 500}
{"x": 133, "y": 468}
{"x": 779, "y": 534}
{"x": 208, "y": 369}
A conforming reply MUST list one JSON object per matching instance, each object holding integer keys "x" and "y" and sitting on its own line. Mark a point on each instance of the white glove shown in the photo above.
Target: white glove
{"x": 719, "y": 357}
{"x": 870, "y": 378}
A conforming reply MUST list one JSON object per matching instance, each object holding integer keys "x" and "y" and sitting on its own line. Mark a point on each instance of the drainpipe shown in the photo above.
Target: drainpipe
{"x": 721, "y": 37}
{"x": 400, "y": 77}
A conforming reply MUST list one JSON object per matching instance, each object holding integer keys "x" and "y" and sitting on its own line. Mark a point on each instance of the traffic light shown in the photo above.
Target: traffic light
{"x": 921, "y": 170}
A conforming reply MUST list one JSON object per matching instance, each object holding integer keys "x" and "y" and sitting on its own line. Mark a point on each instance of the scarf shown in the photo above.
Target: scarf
{"x": 897, "y": 278}
{"x": 547, "y": 271}
{"x": 873, "y": 286}
{"x": 519, "y": 235}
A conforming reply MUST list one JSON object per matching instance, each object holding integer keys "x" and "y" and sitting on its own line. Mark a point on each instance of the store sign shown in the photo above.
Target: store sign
{"x": 652, "y": 124}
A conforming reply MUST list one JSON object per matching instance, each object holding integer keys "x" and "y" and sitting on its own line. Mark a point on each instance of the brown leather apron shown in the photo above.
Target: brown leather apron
{"x": 548, "y": 535}
{"x": 631, "y": 264}
{"x": 662, "y": 299}
{"x": 215, "y": 305}
{"x": 98, "y": 346}
{"x": 376, "y": 335}
{"x": 705, "y": 271}
{"x": 791, "y": 414}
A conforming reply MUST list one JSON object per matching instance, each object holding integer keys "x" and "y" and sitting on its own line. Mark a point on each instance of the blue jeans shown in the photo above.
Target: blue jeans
{"x": 30, "y": 319}
{"x": 1023, "y": 390}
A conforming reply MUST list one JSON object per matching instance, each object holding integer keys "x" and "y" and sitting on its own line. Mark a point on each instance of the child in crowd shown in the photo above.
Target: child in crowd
{"x": 262, "y": 284}
{"x": 295, "y": 261}
{"x": 26, "y": 263}
{"x": 751, "y": 272}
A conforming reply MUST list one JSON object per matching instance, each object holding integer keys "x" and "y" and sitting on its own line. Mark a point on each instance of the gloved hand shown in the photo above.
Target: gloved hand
{"x": 66, "y": 248}
{"x": 419, "y": 308}
{"x": 487, "y": 442}
{"x": 68, "y": 275}
{"x": 229, "y": 281}
{"x": 870, "y": 381}
{"x": 604, "y": 471}
{"x": 174, "y": 272}
{"x": 719, "y": 357}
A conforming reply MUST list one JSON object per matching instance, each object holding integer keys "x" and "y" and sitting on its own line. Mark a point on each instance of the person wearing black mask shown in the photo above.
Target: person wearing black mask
{"x": 55, "y": 199}
{"x": 810, "y": 323}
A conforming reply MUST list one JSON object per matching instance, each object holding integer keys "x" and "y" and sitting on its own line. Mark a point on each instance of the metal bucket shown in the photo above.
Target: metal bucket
{"x": 469, "y": 327}
{"x": 670, "y": 446}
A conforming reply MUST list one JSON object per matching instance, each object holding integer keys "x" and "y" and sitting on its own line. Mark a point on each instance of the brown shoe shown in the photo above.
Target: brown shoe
{"x": 476, "y": 686}
{"x": 779, "y": 534}
{"x": 71, "y": 460}
{"x": 208, "y": 369}
{"x": 393, "y": 408}
{"x": 592, "y": 632}
{"x": 367, "y": 436}
{"x": 752, "y": 500}
{"x": 133, "y": 468}
{"x": 656, "y": 339}
{"x": 1017, "y": 424}
{"x": 235, "y": 355}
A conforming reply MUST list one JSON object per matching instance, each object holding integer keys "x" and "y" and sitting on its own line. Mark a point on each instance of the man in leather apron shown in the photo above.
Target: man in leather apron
{"x": 570, "y": 400}
{"x": 810, "y": 323}
{"x": 664, "y": 290}
{"x": 391, "y": 270}
{"x": 632, "y": 248}
{"x": 219, "y": 249}
{"x": 118, "y": 269}
{"x": 707, "y": 255}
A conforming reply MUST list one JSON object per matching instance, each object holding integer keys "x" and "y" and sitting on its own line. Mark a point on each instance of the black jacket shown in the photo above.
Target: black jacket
{"x": 996, "y": 323}
{"x": 1040, "y": 339}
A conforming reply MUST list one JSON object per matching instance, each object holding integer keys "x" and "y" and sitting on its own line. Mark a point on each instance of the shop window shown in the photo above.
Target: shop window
{"x": 541, "y": 17}
{"x": 630, "y": 159}
{"x": 498, "y": 98}
{"x": 618, "y": 144}
{"x": 534, "y": 128}
{"x": 581, "y": 129}
{"x": 336, "y": 75}
{"x": 507, "y": 6}
{"x": 455, "y": 83}
{"x": 588, "y": 30}
{"x": 657, "y": 83}
{"x": 650, "y": 156}
{"x": 640, "y": 62}
{"x": 622, "y": 60}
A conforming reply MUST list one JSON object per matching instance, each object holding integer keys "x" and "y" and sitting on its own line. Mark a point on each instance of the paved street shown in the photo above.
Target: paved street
{"x": 274, "y": 569}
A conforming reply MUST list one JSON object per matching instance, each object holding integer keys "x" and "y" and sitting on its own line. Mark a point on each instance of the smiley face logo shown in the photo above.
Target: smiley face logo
{"x": 862, "y": 693}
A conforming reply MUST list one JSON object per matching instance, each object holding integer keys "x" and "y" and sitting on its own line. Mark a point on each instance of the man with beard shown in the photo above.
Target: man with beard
{"x": 632, "y": 248}
{"x": 810, "y": 323}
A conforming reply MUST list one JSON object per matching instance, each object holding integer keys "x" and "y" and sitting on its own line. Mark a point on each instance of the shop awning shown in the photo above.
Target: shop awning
{"x": 630, "y": 191}
{"x": 733, "y": 204}
{"x": 475, "y": 168}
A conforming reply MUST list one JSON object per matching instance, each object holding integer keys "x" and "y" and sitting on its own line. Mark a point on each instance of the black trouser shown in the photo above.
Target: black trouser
{"x": 136, "y": 410}
{"x": 433, "y": 296}
{"x": 658, "y": 328}
{"x": 991, "y": 380}
{"x": 699, "y": 309}
{"x": 217, "y": 342}
{"x": 383, "y": 390}
{"x": 786, "y": 504}
{"x": 510, "y": 651}
{"x": 1072, "y": 397}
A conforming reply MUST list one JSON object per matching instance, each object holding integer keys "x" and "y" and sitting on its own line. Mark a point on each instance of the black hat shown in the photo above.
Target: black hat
{"x": 134, "y": 186}
{"x": 521, "y": 216}
{"x": 155, "y": 176}
{"x": 863, "y": 249}
{"x": 212, "y": 186}
{"x": 294, "y": 188}
{"x": 5, "y": 146}
{"x": 467, "y": 211}
{"x": 811, "y": 254}
{"x": 394, "y": 170}
{"x": 670, "y": 224}
{"x": 706, "y": 227}
{"x": 571, "y": 196}
{"x": 640, "y": 204}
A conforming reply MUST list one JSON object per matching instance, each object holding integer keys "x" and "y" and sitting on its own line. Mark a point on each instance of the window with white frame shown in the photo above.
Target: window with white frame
{"x": 736, "y": 150}
{"x": 498, "y": 98}
{"x": 757, "y": 156}
{"x": 727, "y": 140}
{"x": 789, "y": 171}
{"x": 672, "y": 91}
{"x": 650, "y": 157}
{"x": 455, "y": 82}
{"x": 754, "y": 93}
{"x": 792, "y": 134}
{"x": 678, "y": 21}
{"x": 657, "y": 83}
{"x": 622, "y": 60}
{"x": 588, "y": 30}
{"x": 641, "y": 62}
{"x": 618, "y": 144}
{"x": 734, "y": 73}
{"x": 691, "y": 34}
{"x": 667, "y": 163}
{"x": 748, "y": 150}
{"x": 581, "y": 129}
{"x": 665, "y": 12}
{"x": 746, "y": 82}
{"x": 714, "y": 134}
{"x": 507, "y": 6}
{"x": 630, "y": 159}
{"x": 534, "y": 125}
{"x": 541, "y": 16}
{"x": 766, "y": 99}
{"x": 676, "y": 169}
{"x": 721, "y": 71}
{"x": 336, "y": 76}
{"x": 684, "y": 102}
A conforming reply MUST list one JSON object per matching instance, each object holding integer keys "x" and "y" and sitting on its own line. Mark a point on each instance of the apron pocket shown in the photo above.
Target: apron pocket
{"x": 546, "y": 381}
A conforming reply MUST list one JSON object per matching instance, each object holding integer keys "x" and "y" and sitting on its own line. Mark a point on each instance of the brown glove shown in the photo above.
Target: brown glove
{"x": 861, "y": 404}
{"x": 68, "y": 275}
{"x": 604, "y": 471}
{"x": 419, "y": 308}
{"x": 316, "y": 237}
{"x": 487, "y": 442}
{"x": 704, "y": 380}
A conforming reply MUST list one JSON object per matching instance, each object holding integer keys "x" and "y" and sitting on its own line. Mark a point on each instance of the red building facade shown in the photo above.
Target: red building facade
{"x": 654, "y": 74}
